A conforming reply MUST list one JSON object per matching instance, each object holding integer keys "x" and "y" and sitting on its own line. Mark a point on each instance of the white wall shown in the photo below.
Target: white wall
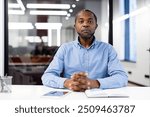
{"x": 1, "y": 37}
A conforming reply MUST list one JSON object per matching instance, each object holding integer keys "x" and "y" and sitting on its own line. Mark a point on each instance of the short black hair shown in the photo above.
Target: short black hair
{"x": 87, "y": 10}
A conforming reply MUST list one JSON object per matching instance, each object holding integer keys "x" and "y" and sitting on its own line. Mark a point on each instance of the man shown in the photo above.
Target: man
{"x": 85, "y": 63}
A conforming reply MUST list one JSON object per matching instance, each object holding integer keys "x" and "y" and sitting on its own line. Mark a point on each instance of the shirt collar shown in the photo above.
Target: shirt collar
{"x": 77, "y": 43}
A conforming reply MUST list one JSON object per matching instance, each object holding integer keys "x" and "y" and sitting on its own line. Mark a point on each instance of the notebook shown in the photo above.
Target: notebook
{"x": 107, "y": 93}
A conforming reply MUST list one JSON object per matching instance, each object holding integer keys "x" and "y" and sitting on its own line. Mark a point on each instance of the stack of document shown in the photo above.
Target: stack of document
{"x": 107, "y": 93}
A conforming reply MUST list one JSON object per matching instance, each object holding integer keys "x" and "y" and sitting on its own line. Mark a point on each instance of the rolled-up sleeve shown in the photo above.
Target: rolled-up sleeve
{"x": 117, "y": 75}
{"x": 51, "y": 76}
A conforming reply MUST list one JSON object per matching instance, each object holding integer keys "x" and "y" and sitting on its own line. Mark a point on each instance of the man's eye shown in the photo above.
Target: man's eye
{"x": 81, "y": 22}
{"x": 90, "y": 22}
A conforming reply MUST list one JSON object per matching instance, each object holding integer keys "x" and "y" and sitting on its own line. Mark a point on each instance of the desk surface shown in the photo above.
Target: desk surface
{"x": 37, "y": 92}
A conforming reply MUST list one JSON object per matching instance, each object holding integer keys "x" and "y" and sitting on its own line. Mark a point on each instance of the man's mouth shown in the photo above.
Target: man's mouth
{"x": 85, "y": 31}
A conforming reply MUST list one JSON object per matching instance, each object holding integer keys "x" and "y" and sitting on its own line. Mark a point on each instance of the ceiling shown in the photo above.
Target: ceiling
{"x": 79, "y": 4}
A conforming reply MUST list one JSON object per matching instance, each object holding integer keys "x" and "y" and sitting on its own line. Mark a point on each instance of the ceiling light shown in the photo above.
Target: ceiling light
{"x": 70, "y": 10}
{"x": 33, "y": 39}
{"x": 44, "y": 38}
{"x": 16, "y": 25}
{"x": 68, "y": 15}
{"x": 16, "y": 12}
{"x": 73, "y": 5}
{"x": 13, "y": 5}
{"x": 43, "y": 12}
{"x": 48, "y": 25}
{"x": 49, "y": 6}
{"x": 66, "y": 18}
{"x": 21, "y": 5}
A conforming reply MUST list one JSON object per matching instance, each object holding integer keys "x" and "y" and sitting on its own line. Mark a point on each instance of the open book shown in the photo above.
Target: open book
{"x": 107, "y": 93}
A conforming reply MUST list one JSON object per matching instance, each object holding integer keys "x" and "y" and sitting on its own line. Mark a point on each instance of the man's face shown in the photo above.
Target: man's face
{"x": 85, "y": 25}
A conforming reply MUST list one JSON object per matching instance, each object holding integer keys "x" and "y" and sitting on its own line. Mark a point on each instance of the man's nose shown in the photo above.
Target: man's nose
{"x": 85, "y": 24}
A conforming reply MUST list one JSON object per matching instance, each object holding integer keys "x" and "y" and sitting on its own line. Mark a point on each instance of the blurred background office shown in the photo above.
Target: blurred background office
{"x": 46, "y": 24}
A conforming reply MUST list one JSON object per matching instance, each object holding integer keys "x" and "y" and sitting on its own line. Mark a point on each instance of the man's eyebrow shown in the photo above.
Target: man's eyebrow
{"x": 80, "y": 18}
{"x": 83, "y": 18}
{"x": 90, "y": 18}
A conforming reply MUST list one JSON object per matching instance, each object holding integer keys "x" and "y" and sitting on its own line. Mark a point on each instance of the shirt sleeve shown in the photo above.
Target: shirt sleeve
{"x": 117, "y": 77}
{"x": 51, "y": 76}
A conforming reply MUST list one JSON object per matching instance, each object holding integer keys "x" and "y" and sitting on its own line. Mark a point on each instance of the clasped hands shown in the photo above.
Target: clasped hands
{"x": 80, "y": 82}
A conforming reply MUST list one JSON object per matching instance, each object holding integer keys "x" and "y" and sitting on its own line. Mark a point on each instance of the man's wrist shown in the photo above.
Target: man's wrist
{"x": 95, "y": 84}
{"x": 65, "y": 83}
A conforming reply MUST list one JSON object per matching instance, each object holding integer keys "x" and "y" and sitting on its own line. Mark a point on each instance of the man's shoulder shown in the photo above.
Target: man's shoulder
{"x": 68, "y": 44}
{"x": 103, "y": 44}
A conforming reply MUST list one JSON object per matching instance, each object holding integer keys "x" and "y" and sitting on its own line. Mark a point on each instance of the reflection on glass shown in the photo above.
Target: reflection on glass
{"x": 36, "y": 30}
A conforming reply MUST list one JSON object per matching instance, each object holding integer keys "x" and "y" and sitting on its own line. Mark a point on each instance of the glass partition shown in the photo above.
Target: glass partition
{"x": 38, "y": 27}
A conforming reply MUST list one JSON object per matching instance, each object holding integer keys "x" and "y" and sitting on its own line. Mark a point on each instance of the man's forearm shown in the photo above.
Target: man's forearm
{"x": 94, "y": 84}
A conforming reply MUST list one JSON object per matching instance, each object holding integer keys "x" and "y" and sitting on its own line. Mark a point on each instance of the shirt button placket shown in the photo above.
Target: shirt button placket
{"x": 86, "y": 60}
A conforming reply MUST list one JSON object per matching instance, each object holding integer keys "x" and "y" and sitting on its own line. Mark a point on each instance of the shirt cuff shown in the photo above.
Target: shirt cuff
{"x": 103, "y": 83}
{"x": 61, "y": 82}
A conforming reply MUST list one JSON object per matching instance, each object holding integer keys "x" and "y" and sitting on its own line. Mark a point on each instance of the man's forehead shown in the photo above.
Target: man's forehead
{"x": 83, "y": 14}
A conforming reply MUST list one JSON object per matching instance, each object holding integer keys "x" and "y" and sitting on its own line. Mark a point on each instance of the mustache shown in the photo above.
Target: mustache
{"x": 85, "y": 30}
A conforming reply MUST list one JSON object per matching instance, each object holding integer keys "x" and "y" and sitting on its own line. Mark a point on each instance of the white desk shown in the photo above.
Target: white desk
{"x": 37, "y": 91}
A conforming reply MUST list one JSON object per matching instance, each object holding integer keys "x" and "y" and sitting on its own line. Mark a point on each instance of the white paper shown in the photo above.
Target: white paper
{"x": 108, "y": 93}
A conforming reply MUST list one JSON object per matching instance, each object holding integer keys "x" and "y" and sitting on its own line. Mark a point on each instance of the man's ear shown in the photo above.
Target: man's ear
{"x": 96, "y": 26}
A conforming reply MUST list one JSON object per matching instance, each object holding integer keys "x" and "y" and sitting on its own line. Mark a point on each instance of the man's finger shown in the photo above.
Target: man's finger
{"x": 79, "y": 75}
{"x": 82, "y": 80}
{"x": 85, "y": 74}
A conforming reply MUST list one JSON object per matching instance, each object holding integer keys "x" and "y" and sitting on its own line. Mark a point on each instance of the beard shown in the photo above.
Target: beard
{"x": 86, "y": 36}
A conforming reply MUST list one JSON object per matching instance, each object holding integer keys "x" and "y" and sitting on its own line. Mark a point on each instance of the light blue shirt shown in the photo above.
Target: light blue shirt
{"x": 99, "y": 61}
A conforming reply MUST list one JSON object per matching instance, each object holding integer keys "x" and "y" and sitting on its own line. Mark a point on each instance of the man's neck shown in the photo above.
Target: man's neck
{"x": 86, "y": 42}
